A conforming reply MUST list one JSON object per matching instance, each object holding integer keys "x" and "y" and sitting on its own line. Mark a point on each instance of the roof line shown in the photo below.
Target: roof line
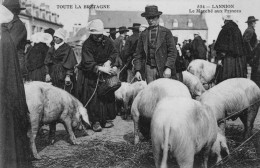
{"x": 143, "y": 11}
{"x": 47, "y": 21}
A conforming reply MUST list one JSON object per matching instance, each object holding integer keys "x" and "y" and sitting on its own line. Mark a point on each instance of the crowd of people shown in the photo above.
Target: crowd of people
{"x": 148, "y": 54}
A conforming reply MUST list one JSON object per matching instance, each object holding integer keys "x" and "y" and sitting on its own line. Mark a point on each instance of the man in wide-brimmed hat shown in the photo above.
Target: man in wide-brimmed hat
{"x": 250, "y": 38}
{"x": 120, "y": 44}
{"x": 130, "y": 48}
{"x": 199, "y": 51}
{"x": 18, "y": 32}
{"x": 112, "y": 33}
{"x": 155, "y": 45}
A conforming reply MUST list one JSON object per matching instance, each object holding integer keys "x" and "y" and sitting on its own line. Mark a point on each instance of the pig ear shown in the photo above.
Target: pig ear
{"x": 84, "y": 114}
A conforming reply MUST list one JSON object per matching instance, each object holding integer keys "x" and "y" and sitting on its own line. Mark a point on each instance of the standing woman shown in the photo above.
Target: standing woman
{"x": 60, "y": 62}
{"x": 36, "y": 56}
{"x": 14, "y": 115}
{"x": 18, "y": 33}
{"x": 98, "y": 54}
{"x": 255, "y": 75}
{"x": 230, "y": 51}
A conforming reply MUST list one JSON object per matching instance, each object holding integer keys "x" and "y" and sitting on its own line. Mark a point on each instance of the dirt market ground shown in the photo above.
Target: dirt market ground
{"x": 114, "y": 148}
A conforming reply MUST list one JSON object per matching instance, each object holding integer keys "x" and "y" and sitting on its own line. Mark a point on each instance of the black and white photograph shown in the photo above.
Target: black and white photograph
{"x": 130, "y": 84}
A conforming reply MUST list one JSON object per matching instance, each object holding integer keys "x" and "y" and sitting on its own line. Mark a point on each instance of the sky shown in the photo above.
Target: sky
{"x": 70, "y": 16}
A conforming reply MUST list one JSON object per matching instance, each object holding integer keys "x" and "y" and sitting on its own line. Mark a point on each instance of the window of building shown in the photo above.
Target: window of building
{"x": 37, "y": 13}
{"x": 175, "y": 23}
{"x": 33, "y": 29}
{"x": 92, "y": 11}
{"x": 161, "y": 22}
{"x": 190, "y": 24}
{"x": 43, "y": 15}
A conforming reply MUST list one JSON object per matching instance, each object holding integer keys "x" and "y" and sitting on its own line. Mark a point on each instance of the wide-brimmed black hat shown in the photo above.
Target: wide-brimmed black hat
{"x": 251, "y": 19}
{"x": 135, "y": 26}
{"x": 123, "y": 29}
{"x": 151, "y": 11}
{"x": 112, "y": 31}
{"x": 12, "y": 4}
{"x": 50, "y": 31}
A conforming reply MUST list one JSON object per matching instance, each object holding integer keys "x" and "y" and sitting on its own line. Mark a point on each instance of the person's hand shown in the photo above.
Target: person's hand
{"x": 115, "y": 70}
{"x": 220, "y": 62}
{"x": 223, "y": 54}
{"x": 67, "y": 80}
{"x": 106, "y": 70}
{"x": 167, "y": 73}
{"x": 138, "y": 76}
{"x": 47, "y": 78}
{"x": 107, "y": 64}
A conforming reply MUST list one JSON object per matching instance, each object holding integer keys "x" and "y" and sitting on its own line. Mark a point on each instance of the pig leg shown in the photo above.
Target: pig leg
{"x": 157, "y": 152}
{"x": 125, "y": 110}
{"x": 251, "y": 115}
{"x": 206, "y": 155}
{"x": 32, "y": 135}
{"x": 67, "y": 123}
{"x": 136, "y": 129}
{"x": 135, "y": 114}
{"x": 244, "y": 119}
{"x": 52, "y": 127}
{"x": 186, "y": 158}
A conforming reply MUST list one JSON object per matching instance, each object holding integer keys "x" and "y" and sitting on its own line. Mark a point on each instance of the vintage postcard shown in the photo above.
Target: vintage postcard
{"x": 210, "y": 46}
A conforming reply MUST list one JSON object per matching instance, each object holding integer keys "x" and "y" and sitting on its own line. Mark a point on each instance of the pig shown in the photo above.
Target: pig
{"x": 193, "y": 83}
{"x": 231, "y": 96}
{"x": 204, "y": 70}
{"x": 126, "y": 94}
{"x": 48, "y": 105}
{"x": 146, "y": 100}
{"x": 183, "y": 127}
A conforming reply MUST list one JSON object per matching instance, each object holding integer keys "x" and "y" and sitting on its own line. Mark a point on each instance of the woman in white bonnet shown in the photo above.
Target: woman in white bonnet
{"x": 60, "y": 62}
{"x": 36, "y": 56}
{"x": 98, "y": 55}
{"x": 14, "y": 115}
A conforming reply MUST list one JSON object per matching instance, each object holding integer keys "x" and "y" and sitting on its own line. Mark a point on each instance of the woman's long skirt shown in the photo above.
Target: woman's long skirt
{"x": 233, "y": 67}
{"x": 37, "y": 74}
{"x": 100, "y": 109}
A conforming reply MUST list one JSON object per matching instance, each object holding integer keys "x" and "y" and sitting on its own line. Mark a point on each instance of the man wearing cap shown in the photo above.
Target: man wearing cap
{"x": 18, "y": 33}
{"x": 157, "y": 47}
{"x": 60, "y": 61}
{"x": 112, "y": 33}
{"x": 199, "y": 51}
{"x": 229, "y": 47}
{"x": 120, "y": 44}
{"x": 250, "y": 39}
{"x": 130, "y": 48}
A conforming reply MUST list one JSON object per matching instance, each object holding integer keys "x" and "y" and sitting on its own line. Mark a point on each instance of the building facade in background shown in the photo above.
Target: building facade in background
{"x": 37, "y": 18}
{"x": 182, "y": 26}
